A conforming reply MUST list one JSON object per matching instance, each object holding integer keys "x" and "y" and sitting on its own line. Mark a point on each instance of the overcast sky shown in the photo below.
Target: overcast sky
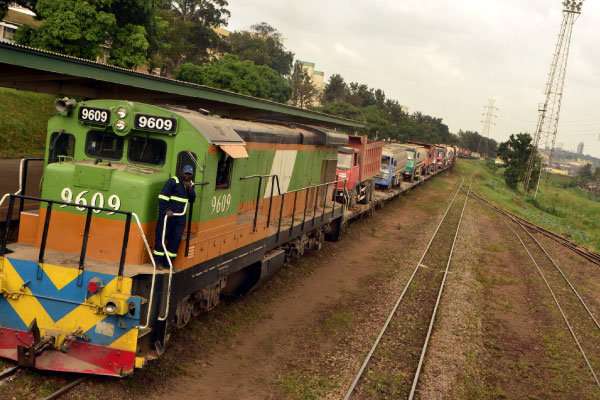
{"x": 447, "y": 58}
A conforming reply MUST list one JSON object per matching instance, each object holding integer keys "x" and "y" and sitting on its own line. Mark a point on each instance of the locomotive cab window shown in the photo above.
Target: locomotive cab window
{"x": 144, "y": 150}
{"x": 224, "y": 167}
{"x": 183, "y": 159}
{"x": 102, "y": 144}
{"x": 62, "y": 145}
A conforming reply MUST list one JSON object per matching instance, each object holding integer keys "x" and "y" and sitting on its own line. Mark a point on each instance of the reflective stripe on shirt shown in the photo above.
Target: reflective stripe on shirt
{"x": 180, "y": 199}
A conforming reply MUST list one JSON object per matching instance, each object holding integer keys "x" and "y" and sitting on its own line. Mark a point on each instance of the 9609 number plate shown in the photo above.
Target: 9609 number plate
{"x": 94, "y": 115}
{"x": 154, "y": 123}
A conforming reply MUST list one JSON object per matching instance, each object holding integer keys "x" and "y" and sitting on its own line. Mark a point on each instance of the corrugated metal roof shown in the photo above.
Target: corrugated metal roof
{"x": 26, "y": 68}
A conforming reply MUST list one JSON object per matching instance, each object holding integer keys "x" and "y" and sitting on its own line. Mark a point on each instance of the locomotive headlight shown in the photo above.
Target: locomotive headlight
{"x": 120, "y": 124}
{"x": 111, "y": 307}
{"x": 122, "y": 112}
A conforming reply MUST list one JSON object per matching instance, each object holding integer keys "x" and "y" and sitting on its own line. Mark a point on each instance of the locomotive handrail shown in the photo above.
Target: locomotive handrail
{"x": 275, "y": 178}
{"x": 50, "y": 203}
{"x": 295, "y": 192}
{"x": 170, "y": 263}
{"x": 128, "y": 213}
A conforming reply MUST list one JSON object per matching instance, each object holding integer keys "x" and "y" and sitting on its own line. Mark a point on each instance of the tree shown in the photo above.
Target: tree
{"x": 475, "y": 142}
{"x": 515, "y": 153}
{"x": 189, "y": 34}
{"x": 336, "y": 90}
{"x": 238, "y": 76}
{"x": 585, "y": 172}
{"x": 344, "y": 110}
{"x": 304, "y": 92}
{"x": 263, "y": 45}
{"x": 80, "y": 28}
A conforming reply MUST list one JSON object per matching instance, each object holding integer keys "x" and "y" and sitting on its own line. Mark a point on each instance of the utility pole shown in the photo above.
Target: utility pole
{"x": 549, "y": 111}
{"x": 486, "y": 124}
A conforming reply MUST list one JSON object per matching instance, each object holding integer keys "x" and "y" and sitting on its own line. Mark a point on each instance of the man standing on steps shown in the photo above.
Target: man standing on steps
{"x": 175, "y": 194}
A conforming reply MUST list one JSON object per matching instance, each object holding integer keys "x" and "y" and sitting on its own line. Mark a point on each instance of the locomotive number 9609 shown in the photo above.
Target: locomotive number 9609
{"x": 94, "y": 115}
{"x": 154, "y": 123}
{"x": 97, "y": 200}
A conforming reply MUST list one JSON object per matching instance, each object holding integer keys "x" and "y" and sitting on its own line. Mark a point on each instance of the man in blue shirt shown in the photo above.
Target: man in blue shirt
{"x": 173, "y": 198}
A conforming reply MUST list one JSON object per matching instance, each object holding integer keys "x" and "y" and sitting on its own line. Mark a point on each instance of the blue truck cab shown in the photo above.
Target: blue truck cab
{"x": 393, "y": 164}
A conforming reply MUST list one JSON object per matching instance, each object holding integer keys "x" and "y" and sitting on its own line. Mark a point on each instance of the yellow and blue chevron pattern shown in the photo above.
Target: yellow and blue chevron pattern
{"x": 58, "y": 298}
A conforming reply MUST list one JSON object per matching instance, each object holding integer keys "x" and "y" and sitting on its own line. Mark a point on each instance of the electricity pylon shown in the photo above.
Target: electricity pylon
{"x": 549, "y": 111}
{"x": 486, "y": 124}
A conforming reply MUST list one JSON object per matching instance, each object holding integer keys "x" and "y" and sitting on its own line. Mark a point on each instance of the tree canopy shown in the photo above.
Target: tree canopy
{"x": 475, "y": 142}
{"x": 238, "y": 76}
{"x": 80, "y": 28}
{"x": 515, "y": 153}
{"x": 263, "y": 45}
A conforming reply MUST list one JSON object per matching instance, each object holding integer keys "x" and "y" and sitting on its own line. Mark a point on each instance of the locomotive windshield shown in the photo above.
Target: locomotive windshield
{"x": 344, "y": 161}
{"x": 61, "y": 144}
{"x": 102, "y": 144}
{"x": 146, "y": 151}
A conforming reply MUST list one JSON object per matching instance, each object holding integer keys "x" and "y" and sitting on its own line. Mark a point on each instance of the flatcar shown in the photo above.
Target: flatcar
{"x": 79, "y": 289}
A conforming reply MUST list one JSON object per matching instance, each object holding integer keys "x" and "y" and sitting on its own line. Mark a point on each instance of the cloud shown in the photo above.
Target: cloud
{"x": 351, "y": 54}
{"x": 446, "y": 58}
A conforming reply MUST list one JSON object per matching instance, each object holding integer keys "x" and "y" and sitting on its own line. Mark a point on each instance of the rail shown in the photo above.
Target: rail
{"x": 397, "y": 304}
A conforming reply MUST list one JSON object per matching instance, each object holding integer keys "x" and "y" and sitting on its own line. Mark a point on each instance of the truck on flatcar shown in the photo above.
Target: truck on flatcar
{"x": 80, "y": 290}
{"x": 429, "y": 164}
{"x": 393, "y": 164}
{"x": 415, "y": 160}
{"x": 358, "y": 163}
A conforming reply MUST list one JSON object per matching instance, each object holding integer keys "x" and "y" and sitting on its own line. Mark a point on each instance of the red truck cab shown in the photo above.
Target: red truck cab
{"x": 358, "y": 164}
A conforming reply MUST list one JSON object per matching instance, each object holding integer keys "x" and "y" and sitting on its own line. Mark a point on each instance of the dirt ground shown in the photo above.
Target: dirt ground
{"x": 306, "y": 332}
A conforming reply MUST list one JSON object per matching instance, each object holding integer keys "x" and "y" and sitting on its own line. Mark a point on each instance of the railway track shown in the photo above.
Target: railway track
{"x": 8, "y": 373}
{"x": 393, "y": 365}
{"x": 65, "y": 389}
{"x": 575, "y": 312}
{"x": 581, "y": 250}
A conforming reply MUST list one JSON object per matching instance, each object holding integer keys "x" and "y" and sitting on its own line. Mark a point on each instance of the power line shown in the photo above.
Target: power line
{"x": 489, "y": 114}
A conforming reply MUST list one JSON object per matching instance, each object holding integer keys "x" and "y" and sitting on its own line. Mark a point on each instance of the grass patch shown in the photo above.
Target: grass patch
{"x": 560, "y": 206}
{"x": 23, "y": 120}
{"x": 299, "y": 386}
{"x": 336, "y": 321}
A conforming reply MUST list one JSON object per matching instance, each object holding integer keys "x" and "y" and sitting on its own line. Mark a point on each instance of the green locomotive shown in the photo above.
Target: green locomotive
{"x": 80, "y": 290}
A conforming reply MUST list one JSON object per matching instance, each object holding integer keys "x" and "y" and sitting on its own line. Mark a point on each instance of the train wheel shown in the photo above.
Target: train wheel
{"x": 187, "y": 312}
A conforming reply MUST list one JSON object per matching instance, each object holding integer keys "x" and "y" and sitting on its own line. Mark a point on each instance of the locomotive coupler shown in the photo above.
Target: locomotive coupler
{"x": 27, "y": 353}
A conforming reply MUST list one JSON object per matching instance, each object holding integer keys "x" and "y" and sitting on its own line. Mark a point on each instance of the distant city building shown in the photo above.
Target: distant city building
{"x": 580, "y": 148}
{"x": 14, "y": 18}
